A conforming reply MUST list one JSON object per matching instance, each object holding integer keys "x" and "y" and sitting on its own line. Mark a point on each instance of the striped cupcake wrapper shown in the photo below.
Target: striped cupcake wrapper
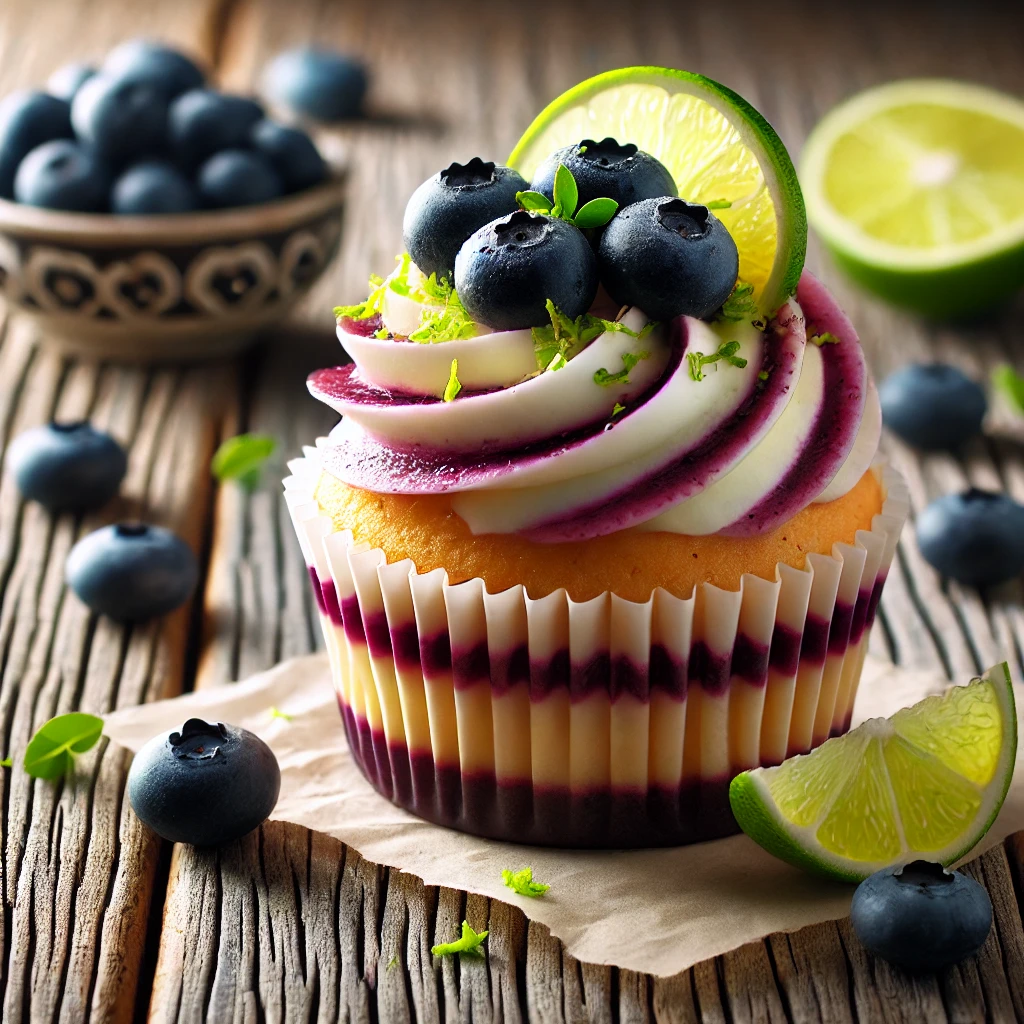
{"x": 603, "y": 723}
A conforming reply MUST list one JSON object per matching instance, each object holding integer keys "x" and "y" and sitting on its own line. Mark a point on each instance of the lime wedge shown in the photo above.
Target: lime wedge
{"x": 917, "y": 188}
{"x": 719, "y": 149}
{"x": 924, "y": 784}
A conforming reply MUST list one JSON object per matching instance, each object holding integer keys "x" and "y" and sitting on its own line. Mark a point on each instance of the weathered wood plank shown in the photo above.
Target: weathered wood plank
{"x": 467, "y": 80}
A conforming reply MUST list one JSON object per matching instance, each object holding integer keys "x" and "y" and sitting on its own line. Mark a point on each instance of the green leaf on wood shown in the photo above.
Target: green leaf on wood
{"x": 241, "y": 458}
{"x": 470, "y": 942}
{"x": 51, "y": 752}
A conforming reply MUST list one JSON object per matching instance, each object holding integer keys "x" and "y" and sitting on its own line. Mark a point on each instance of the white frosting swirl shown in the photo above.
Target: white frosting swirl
{"x": 557, "y": 456}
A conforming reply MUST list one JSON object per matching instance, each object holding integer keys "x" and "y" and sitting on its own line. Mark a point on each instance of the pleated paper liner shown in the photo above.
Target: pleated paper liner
{"x": 603, "y": 723}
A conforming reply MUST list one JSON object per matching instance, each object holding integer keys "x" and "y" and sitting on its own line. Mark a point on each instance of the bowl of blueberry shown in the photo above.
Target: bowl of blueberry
{"x": 145, "y": 215}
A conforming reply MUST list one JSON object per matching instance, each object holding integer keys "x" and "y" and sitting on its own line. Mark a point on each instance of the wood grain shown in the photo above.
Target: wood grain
{"x": 288, "y": 925}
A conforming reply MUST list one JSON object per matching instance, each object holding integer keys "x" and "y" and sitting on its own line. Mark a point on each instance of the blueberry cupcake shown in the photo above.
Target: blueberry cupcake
{"x": 603, "y": 522}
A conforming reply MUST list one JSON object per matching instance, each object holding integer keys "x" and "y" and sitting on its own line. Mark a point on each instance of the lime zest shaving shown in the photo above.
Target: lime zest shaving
{"x": 740, "y": 307}
{"x": 470, "y": 942}
{"x": 726, "y": 351}
{"x": 1010, "y": 384}
{"x": 522, "y": 882}
{"x": 617, "y": 409}
{"x": 453, "y": 387}
{"x": 278, "y": 713}
{"x": 370, "y": 306}
{"x": 629, "y": 359}
{"x": 825, "y": 338}
{"x": 719, "y": 204}
{"x": 566, "y": 338}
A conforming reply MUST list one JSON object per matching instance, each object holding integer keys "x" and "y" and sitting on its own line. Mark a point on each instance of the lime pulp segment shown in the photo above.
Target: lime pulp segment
{"x": 925, "y": 783}
{"x": 719, "y": 149}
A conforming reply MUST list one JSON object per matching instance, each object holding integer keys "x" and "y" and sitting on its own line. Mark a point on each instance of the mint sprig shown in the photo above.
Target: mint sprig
{"x": 726, "y": 351}
{"x": 470, "y": 942}
{"x": 51, "y": 751}
{"x": 242, "y": 458}
{"x": 564, "y": 202}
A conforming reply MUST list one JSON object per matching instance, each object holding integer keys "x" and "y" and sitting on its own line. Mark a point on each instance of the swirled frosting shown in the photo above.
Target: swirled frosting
{"x": 558, "y": 456}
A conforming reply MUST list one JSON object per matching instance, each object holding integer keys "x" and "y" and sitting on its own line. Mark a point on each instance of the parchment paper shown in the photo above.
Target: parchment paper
{"x": 656, "y": 911}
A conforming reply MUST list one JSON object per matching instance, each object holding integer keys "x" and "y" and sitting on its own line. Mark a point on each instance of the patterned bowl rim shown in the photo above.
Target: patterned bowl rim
{"x": 96, "y": 230}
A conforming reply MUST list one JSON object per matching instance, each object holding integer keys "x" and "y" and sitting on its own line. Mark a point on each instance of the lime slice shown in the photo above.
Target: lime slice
{"x": 917, "y": 187}
{"x": 719, "y": 149}
{"x": 924, "y": 784}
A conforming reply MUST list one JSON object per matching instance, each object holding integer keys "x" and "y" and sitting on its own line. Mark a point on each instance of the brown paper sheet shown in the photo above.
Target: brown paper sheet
{"x": 656, "y": 911}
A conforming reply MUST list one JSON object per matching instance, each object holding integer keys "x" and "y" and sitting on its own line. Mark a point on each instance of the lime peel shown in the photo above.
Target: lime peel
{"x": 926, "y": 783}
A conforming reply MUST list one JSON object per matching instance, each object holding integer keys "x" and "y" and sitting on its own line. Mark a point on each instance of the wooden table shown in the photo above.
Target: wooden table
{"x": 103, "y": 922}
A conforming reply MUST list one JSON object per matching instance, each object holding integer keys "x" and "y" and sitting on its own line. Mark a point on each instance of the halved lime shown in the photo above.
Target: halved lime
{"x": 925, "y": 784}
{"x": 719, "y": 149}
{"x": 917, "y": 187}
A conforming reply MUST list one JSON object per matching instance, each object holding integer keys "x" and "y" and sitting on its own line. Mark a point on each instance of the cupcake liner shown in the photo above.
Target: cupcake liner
{"x": 602, "y": 723}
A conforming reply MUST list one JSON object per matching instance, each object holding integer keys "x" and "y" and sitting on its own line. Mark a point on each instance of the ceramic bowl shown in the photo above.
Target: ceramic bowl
{"x": 166, "y": 288}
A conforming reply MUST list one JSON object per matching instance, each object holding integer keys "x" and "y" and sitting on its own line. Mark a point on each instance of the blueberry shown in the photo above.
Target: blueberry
{"x": 668, "y": 257}
{"x": 140, "y": 60}
{"x": 447, "y": 208}
{"x": 120, "y": 118}
{"x": 291, "y": 152}
{"x": 63, "y": 175}
{"x": 921, "y": 917}
{"x": 153, "y": 186}
{"x": 67, "y": 465}
{"x": 132, "y": 572}
{"x": 623, "y": 173}
{"x": 27, "y": 120}
{"x": 320, "y": 84}
{"x": 975, "y": 538}
{"x": 506, "y": 271}
{"x": 205, "y": 784}
{"x": 933, "y": 406}
{"x": 202, "y": 122}
{"x": 67, "y": 80}
{"x": 235, "y": 177}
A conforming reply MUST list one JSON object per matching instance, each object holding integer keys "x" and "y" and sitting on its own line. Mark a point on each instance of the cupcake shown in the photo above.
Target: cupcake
{"x": 603, "y": 522}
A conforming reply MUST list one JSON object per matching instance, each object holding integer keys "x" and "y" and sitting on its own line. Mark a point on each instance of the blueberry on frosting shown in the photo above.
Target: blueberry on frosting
{"x": 447, "y": 208}
{"x": 669, "y": 257}
{"x": 508, "y": 270}
{"x": 607, "y": 169}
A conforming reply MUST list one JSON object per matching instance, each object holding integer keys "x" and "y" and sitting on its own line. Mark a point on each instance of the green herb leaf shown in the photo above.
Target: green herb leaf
{"x": 241, "y": 458}
{"x": 469, "y": 943}
{"x": 453, "y": 387}
{"x": 763, "y": 375}
{"x": 719, "y": 204}
{"x": 726, "y": 351}
{"x": 596, "y": 213}
{"x": 277, "y": 713}
{"x": 1010, "y": 385}
{"x": 630, "y": 359}
{"x": 825, "y": 338}
{"x": 6, "y": 763}
{"x": 617, "y": 408}
{"x": 51, "y": 752}
{"x": 535, "y": 201}
{"x": 566, "y": 194}
{"x": 740, "y": 307}
{"x": 522, "y": 882}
